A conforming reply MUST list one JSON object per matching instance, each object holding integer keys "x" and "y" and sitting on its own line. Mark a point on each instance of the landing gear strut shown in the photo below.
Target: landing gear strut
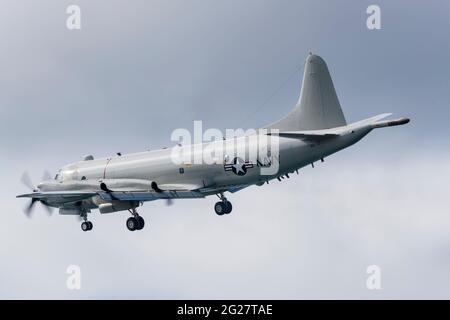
{"x": 223, "y": 206}
{"x": 136, "y": 222}
{"x": 86, "y": 225}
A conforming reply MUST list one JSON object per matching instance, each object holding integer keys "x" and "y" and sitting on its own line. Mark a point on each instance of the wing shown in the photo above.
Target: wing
{"x": 173, "y": 191}
{"x": 59, "y": 196}
{"x": 231, "y": 188}
{"x": 163, "y": 191}
{"x": 149, "y": 195}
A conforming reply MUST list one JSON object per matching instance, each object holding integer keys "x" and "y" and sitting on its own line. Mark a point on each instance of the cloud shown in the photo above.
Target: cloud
{"x": 312, "y": 236}
{"x": 136, "y": 72}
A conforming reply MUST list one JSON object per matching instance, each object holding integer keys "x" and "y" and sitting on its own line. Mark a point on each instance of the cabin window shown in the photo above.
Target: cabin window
{"x": 181, "y": 170}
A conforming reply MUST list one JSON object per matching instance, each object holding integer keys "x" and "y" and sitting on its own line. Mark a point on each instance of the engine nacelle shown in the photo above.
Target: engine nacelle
{"x": 73, "y": 211}
{"x": 117, "y": 206}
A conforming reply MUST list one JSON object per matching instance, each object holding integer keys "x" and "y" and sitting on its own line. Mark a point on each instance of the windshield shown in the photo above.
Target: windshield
{"x": 58, "y": 175}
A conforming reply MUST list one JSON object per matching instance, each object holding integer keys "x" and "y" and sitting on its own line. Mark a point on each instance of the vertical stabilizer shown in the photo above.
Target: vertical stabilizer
{"x": 318, "y": 106}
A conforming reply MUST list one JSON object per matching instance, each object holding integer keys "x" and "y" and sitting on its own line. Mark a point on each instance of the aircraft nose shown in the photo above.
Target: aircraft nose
{"x": 45, "y": 186}
{"x": 40, "y": 185}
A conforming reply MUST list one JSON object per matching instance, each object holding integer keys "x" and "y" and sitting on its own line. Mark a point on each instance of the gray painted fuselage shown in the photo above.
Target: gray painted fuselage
{"x": 158, "y": 165}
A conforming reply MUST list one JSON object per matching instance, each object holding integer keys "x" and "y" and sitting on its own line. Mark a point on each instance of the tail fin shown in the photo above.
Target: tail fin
{"x": 318, "y": 106}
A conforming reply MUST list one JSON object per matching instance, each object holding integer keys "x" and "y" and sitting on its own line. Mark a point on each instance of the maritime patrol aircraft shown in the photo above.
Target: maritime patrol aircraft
{"x": 315, "y": 128}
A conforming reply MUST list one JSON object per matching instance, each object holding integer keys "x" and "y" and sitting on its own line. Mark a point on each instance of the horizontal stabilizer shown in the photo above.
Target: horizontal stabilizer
{"x": 323, "y": 134}
{"x": 377, "y": 122}
{"x": 313, "y": 135}
{"x": 391, "y": 123}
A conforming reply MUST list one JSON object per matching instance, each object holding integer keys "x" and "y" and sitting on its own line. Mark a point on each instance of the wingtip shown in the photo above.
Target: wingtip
{"x": 26, "y": 195}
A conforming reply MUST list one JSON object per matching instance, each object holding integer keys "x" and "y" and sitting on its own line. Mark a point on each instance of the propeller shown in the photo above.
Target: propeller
{"x": 26, "y": 180}
{"x": 28, "y": 209}
{"x": 46, "y": 175}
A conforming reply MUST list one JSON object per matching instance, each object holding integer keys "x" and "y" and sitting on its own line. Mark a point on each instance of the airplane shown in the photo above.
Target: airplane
{"x": 314, "y": 129}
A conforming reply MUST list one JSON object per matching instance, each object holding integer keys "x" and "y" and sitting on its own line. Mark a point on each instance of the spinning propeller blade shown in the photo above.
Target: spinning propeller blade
{"x": 46, "y": 175}
{"x": 29, "y": 209}
{"x": 26, "y": 180}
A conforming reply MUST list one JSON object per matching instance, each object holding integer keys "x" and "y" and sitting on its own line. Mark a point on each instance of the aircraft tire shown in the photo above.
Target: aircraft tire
{"x": 141, "y": 223}
{"x": 219, "y": 208}
{"x": 132, "y": 224}
{"x": 228, "y": 207}
{"x": 85, "y": 226}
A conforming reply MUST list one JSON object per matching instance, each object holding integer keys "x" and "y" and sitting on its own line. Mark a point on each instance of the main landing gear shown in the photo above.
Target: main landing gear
{"x": 136, "y": 222}
{"x": 86, "y": 225}
{"x": 223, "y": 206}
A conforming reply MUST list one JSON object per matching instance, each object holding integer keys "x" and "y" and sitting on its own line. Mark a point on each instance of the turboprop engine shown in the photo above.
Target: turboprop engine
{"x": 97, "y": 185}
{"x": 117, "y": 206}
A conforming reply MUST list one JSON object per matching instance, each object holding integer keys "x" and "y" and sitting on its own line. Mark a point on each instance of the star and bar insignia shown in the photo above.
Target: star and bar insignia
{"x": 238, "y": 166}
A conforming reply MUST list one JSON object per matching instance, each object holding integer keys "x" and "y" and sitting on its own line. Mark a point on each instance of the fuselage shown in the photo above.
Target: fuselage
{"x": 159, "y": 165}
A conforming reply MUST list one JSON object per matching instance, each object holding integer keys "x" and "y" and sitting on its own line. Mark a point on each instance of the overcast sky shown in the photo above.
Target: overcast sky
{"x": 137, "y": 70}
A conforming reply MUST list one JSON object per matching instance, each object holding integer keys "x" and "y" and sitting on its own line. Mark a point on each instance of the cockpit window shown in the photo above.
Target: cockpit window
{"x": 58, "y": 175}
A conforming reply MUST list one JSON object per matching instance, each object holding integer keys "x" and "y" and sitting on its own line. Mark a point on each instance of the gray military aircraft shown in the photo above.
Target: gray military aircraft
{"x": 314, "y": 129}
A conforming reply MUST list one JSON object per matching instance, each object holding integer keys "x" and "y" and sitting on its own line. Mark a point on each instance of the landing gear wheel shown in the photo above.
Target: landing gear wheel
{"x": 86, "y": 226}
{"x": 228, "y": 207}
{"x": 219, "y": 207}
{"x": 141, "y": 223}
{"x": 132, "y": 224}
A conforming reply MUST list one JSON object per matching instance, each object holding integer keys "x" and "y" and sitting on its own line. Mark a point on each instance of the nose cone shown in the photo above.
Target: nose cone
{"x": 44, "y": 185}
